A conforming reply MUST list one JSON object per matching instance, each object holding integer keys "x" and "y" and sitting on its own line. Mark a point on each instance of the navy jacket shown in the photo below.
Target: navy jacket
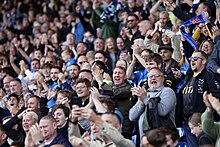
{"x": 205, "y": 81}
{"x": 59, "y": 139}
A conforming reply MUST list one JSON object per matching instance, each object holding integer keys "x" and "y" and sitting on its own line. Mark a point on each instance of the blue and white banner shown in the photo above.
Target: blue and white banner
{"x": 195, "y": 20}
{"x": 111, "y": 9}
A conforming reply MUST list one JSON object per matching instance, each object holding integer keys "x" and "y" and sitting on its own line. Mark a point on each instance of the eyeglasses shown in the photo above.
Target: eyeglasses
{"x": 195, "y": 58}
{"x": 155, "y": 76}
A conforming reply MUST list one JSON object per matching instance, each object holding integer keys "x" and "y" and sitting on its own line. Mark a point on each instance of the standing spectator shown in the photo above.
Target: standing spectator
{"x": 105, "y": 58}
{"x": 28, "y": 119}
{"x": 45, "y": 134}
{"x": 121, "y": 95}
{"x": 131, "y": 32}
{"x": 213, "y": 62}
{"x": 106, "y": 129}
{"x": 6, "y": 83}
{"x": 197, "y": 81}
{"x": 73, "y": 74}
{"x": 86, "y": 73}
{"x": 169, "y": 63}
{"x": 99, "y": 44}
{"x": 58, "y": 83}
{"x": 81, "y": 48}
{"x": 3, "y": 137}
{"x": 165, "y": 20}
{"x": 81, "y": 59}
{"x": 26, "y": 45}
{"x": 61, "y": 114}
{"x": 144, "y": 26}
{"x": 169, "y": 38}
{"x": 111, "y": 51}
{"x": 12, "y": 103}
{"x": 16, "y": 86}
{"x": 179, "y": 13}
{"x": 166, "y": 105}
{"x": 131, "y": 8}
{"x": 121, "y": 46}
{"x": 82, "y": 89}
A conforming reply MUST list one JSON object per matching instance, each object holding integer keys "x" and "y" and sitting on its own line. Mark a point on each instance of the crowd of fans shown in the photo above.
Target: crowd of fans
{"x": 109, "y": 73}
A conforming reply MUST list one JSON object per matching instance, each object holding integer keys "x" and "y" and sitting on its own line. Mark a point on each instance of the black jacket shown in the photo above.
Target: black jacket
{"x": 121, "y": 96}
{"x": 18, "y": 135}
{"x": 205, "y": 81}
{"x": 205, "y": 139}
{"x": 59, "y": 139}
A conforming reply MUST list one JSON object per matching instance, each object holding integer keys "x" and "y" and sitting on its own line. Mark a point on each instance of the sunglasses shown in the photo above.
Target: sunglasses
{"x": 195, "y": 58}
{"x": 132, "y": 20}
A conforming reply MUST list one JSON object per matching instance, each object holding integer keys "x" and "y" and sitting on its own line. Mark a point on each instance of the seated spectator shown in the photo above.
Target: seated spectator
{"x": 154, "y": 138}
{"x": 171, "y": 135}
{"x": 195, "y": 125}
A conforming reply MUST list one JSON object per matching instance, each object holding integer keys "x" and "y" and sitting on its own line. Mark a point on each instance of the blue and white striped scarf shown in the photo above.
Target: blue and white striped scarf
{"x": 112, "y": 9}
{"x": 195, "y": 20}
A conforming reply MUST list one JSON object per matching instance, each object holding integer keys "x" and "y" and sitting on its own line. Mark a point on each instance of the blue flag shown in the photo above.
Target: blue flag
{"x": 195, "y": 20}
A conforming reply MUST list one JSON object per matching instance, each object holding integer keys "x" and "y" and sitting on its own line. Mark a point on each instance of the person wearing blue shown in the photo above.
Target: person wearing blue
{"x": 59, "y": 83}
